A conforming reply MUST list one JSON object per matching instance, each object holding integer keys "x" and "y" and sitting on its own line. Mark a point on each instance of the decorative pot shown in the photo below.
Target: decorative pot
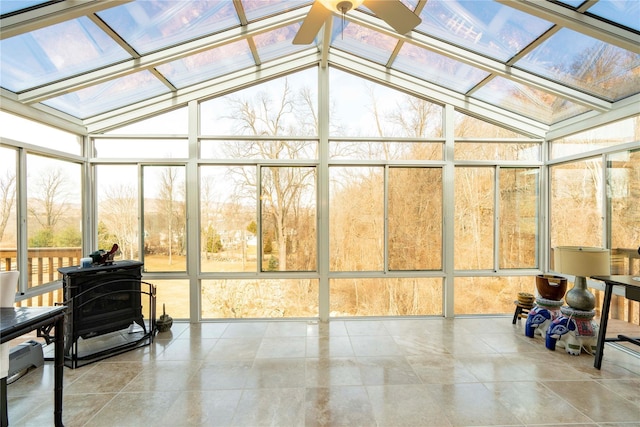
{"x": 551, "y": 287}
{"x": 165, "y": 321}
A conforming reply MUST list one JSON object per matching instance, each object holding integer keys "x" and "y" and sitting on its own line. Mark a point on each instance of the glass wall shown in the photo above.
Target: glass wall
{"x": 623, "y": 209}
{"x": 261, "y": 213}
{"x": 41, "y": 226}
{"x": 9, "y": 223}
{"x": 576, "y": 203}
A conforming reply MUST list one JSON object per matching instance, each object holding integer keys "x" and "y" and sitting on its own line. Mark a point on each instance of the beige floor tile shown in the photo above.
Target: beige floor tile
{"x": 387, "y": 371}
{"x": 277, "y": 373}
{"x": 368, "y": 345}
{"x": 471, "y": 404}
{"x": 135, "y": 409}
{"x": 596, "y": 401}
{"x": 440, "y": 369}
{"x": 366, "y": 327}
{"x": 286, "y": 329}
{"x": 374, "y": 372}
{"x": 421, "y": 344}
{"x": 324, "y": 346}
{"x": 245, "y": 330}
{"x": 193, "y": 349}
{"x": 105, "y": 377}
{"x": 406, "y": 405}
{"x": 203, "y": 408}
{"x": 274, "y": 347}
{"x": 332, "y": 372}
{"x": 234, "y": 348}
{"x": 220, "y": 375}
{"x": 533, "y": 403}
{"x": 347, "y": 406}
{"x": 262, "y": 407}
{"x": 164, "y": 376}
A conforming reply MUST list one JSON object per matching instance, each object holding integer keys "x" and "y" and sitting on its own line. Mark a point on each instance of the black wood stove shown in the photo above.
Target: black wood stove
{"x": 105, "y": 313}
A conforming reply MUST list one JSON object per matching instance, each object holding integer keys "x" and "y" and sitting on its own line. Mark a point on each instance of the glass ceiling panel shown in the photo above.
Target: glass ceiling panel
{"x": 42, "y": 56}
{"x": 151, "y": 25}
{"x": 207, "y": 65}
{"x": 437, "y": 68}
{"x": 572, "y": 3}
{"x": 411, "y": 5}
{"x": 256, "y": 9}
{"x": 525, "y": 100}
{"x": 7, "y": 6}
{"x": 362, "y": 41}
{"x": 623, "y": 12}
{"x": 277, "y": 43}
{"x": 487, "y": 27}
{"x": 589, "y": 64}
{"x": 109, "y": 95}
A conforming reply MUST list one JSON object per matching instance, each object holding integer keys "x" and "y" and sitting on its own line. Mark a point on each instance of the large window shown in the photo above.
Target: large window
{"x": 576, "y": 203}
{"x": 623, "y": 194}
{"x": 356, "y": 219}
{"x": 8, "y": 220}
{"x": 474, "y": 218}
{"x": 165, "y": 218}
{"x": 118, "y": 198}
{"x": 414, "y": 296}
{"x": 228, "y": 219}
{"x": 415, "y": 218}
{"x": 518, "y": 217}
{"x": 54, "y": 217}
{"x": 288, "y": 213}
{"x": 254, "y": 298}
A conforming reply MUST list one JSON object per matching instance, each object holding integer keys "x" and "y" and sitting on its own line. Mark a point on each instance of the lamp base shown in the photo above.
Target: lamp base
{"x": 579, "y": 297}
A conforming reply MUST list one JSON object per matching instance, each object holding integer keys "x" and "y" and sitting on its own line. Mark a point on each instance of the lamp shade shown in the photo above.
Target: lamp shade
{"x": 582, "y": 261}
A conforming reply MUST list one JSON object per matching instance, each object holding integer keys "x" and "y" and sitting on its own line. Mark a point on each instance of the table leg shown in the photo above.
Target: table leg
{"x": 58, "y": 371}
{"x": 4, "y": 416}
{"x": 604, "y": 318}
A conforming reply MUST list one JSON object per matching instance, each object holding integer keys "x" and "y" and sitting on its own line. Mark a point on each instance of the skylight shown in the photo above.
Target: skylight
{"x": 87, "y": 58}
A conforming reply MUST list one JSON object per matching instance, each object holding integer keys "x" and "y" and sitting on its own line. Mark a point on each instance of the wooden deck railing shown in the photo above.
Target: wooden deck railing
{"x": 42, "y": 268}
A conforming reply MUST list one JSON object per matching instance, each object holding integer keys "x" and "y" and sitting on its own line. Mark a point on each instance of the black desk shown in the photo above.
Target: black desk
{"x": 632, "y": 291}
{"x": 15, "y": 322}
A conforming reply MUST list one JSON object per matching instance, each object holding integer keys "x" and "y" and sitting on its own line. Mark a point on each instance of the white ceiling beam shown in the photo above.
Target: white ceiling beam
{"x": 579, "y": 22}
{"x": 45, "y": 16}
{"x": 158, "y": 58}
{"x": 41, "y": 113}
{"x": 623, "y": 109}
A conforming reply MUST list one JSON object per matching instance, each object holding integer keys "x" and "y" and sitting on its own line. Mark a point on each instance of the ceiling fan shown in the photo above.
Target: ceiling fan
{"x": 393, "y": 12}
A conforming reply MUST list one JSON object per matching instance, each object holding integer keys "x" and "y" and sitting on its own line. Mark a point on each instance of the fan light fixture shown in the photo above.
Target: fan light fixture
{"x": 341, "y": 6}
{"x": 393, "y": 12}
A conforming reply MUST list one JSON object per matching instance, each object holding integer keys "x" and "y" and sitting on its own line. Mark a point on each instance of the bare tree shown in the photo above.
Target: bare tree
{"x": 281, "y": 187}
{"x": 49, "y": 199}
{"x": 119, "y": 213}
{"x": 173, "y": 207}
{"x": 8, "y": 197}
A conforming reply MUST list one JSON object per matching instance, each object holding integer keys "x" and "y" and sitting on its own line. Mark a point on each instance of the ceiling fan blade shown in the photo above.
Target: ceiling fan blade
{"x": 394, "y": 13}
{"x": 317, "y": 16}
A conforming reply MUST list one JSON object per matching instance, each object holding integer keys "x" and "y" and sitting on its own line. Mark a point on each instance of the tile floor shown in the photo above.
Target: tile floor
{"x": 392, "y": 372}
